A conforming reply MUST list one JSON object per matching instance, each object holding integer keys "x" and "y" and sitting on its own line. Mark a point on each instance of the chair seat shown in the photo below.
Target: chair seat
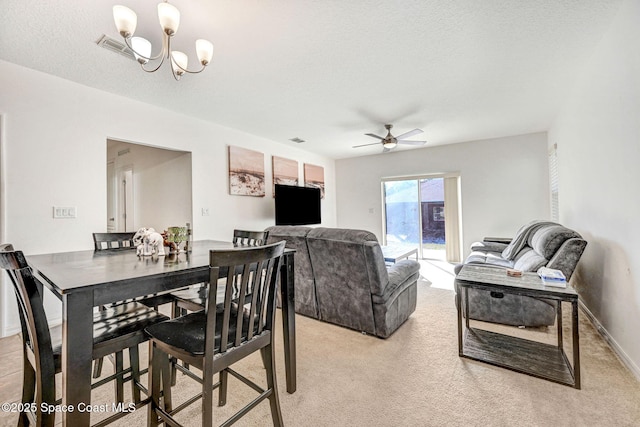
{"x": 187, "y": 332}
{"x": 111, "y": 323}
{"x": 154, "y": 301}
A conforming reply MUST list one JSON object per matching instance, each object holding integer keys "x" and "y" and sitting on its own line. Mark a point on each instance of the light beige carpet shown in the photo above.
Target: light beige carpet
{"x": 413, "y": 378}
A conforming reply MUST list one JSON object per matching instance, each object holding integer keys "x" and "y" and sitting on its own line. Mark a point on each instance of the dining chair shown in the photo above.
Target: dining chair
{"x": 193, "y": 298}
{"x": 119, "y": 241}
{"x": 249, "y": 238}
{"x": 115, "y": 329}
{"x": 222, "y": 334}
{"x": 113, "y": 241}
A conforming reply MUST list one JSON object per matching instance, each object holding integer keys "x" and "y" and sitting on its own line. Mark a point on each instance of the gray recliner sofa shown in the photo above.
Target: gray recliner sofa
{"x": 341, "y": 278}
{"x": 535, "y": 245}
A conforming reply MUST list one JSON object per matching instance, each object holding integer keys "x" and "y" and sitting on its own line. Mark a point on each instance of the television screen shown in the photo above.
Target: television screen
{"x": 297, "y": 205}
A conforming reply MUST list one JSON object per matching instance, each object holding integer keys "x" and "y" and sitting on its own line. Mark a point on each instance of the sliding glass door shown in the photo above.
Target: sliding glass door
{"x": 402, "y": 212}
{"x": 423, "y": 212}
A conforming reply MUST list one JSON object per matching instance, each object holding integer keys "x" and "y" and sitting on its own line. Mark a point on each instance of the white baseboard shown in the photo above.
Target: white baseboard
{"x": 617, "y": 350}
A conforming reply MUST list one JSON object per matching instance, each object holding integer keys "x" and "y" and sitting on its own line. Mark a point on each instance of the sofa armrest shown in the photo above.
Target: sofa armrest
{"x": 401, "y": 274}
{"x": 505, "y": 240}
{"x": 488, "y": 246}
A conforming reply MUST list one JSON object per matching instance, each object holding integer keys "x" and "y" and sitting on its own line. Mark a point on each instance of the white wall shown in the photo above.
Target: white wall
{"x": 504, "y": 183}
{"x": 55, "y": 135}
{"x": 598, "y": 137}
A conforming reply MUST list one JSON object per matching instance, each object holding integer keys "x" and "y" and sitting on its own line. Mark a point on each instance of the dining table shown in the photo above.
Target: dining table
{"x": 86, "y": 279}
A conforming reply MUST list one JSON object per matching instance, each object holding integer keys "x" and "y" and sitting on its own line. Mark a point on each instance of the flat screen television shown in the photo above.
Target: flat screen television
{"x": 297, "y": 205}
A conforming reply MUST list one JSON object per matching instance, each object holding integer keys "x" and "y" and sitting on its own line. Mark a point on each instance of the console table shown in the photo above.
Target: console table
{"x": 394, "y": 253}
{"x": 533, "y": 358}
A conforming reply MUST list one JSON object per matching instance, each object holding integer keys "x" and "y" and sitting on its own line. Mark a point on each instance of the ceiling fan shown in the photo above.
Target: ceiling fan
{"x": 390, "y": 141}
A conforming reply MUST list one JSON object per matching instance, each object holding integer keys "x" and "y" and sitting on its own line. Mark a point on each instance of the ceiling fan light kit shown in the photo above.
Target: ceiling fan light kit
{"x": 389, "y": 142}
{"x": 126, "y": 22}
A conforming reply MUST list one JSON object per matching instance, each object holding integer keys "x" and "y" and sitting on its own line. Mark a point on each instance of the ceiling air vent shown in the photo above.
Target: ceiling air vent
{"x": 115, "y": 46}
{"x": 298, "y": 140}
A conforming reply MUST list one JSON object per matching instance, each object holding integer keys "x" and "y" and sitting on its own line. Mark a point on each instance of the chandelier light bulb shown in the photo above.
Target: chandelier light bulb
{"x": 169, "y": 17}
{"x": 204, "y": 50}
{"x": 179, "y": 62}
{"x": 125, "y": 19}
{"x": 141, "y": 49}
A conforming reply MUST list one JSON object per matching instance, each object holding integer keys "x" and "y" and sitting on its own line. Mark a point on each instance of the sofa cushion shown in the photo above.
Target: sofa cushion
{"x": 529, "y": 260}
{"x": 547, "y": 240}
{"x": 522, "y": 238}
{"x": 488, "y": 258}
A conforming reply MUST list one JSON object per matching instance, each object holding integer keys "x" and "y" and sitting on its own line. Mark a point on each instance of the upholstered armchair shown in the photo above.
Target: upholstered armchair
{"x": 342, "y": 278}
{"x": 535, "y": 245}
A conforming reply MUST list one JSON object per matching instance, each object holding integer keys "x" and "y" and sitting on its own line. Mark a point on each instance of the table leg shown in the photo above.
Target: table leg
{"x": 559, "y": 322}
{"x": 459, "y": 306}
{"x": 466, "y": 307}
{"x": 576, "y": 343}
{"x": 288, "y": 320}
{"x": 77, "y": 349}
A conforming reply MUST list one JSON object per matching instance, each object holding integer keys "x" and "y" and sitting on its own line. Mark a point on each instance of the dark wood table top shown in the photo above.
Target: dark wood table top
{"x": 67, "y": 272}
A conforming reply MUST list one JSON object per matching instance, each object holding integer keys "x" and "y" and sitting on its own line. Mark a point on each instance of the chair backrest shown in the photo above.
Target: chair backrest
{"x": 113, "y": 241}
{"x": 249, "y": 238}
{"x": 257, "y": 271}
{"x": 35, "y": 329}
{"x": 296, "y": 238}
{"x": 344, "y": 294}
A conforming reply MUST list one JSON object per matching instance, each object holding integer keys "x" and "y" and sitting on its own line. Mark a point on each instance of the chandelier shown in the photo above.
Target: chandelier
{"x": 169, "y": 16}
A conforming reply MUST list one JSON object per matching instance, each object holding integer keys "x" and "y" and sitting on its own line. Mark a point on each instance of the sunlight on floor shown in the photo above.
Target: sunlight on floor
{"x": 439, "y": 273}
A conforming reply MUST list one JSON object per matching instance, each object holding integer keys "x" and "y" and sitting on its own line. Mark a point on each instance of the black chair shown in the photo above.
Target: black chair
{"x": 249, "y": 238}
{"x": 115, "y": 329}
{"x": 117, "y": 242}
{"x": 193, "y": 298}
{"x": 113, "y": 241}
{"x": 233, "y": 329}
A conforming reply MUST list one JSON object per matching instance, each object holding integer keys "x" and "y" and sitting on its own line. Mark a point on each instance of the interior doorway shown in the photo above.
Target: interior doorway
{"x": 124, "y": 196}
{"x": 147, "y": 187}
{"x": 423, "y": 211}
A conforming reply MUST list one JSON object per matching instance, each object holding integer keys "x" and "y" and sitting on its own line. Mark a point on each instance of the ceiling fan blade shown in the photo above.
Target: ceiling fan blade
{"x": 409, "y": 134}
{"x": 404, "y": 141}
{"x": 365, "y": 145}
{"x": 374, "y": 136}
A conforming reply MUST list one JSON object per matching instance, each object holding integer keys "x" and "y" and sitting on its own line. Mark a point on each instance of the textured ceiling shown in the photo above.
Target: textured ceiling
{"x": 329, "y": 71}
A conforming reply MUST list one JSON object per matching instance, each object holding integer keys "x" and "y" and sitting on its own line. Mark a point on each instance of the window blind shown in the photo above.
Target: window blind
{"x": 553, "y": 182}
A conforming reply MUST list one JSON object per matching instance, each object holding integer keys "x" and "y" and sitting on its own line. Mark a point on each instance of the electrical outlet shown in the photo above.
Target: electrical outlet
{"x": 205, "y": 211}
{"x": 60, "y": 212}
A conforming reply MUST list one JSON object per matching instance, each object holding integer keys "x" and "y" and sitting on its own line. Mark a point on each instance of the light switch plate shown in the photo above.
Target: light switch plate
{"x": 60, "y": 212}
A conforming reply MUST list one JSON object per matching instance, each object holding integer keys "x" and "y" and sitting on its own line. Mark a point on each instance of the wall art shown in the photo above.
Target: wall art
{"x": 285, "y": 172}
{"x": 314, "y": 177}
{"x": 246, "y": 172}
